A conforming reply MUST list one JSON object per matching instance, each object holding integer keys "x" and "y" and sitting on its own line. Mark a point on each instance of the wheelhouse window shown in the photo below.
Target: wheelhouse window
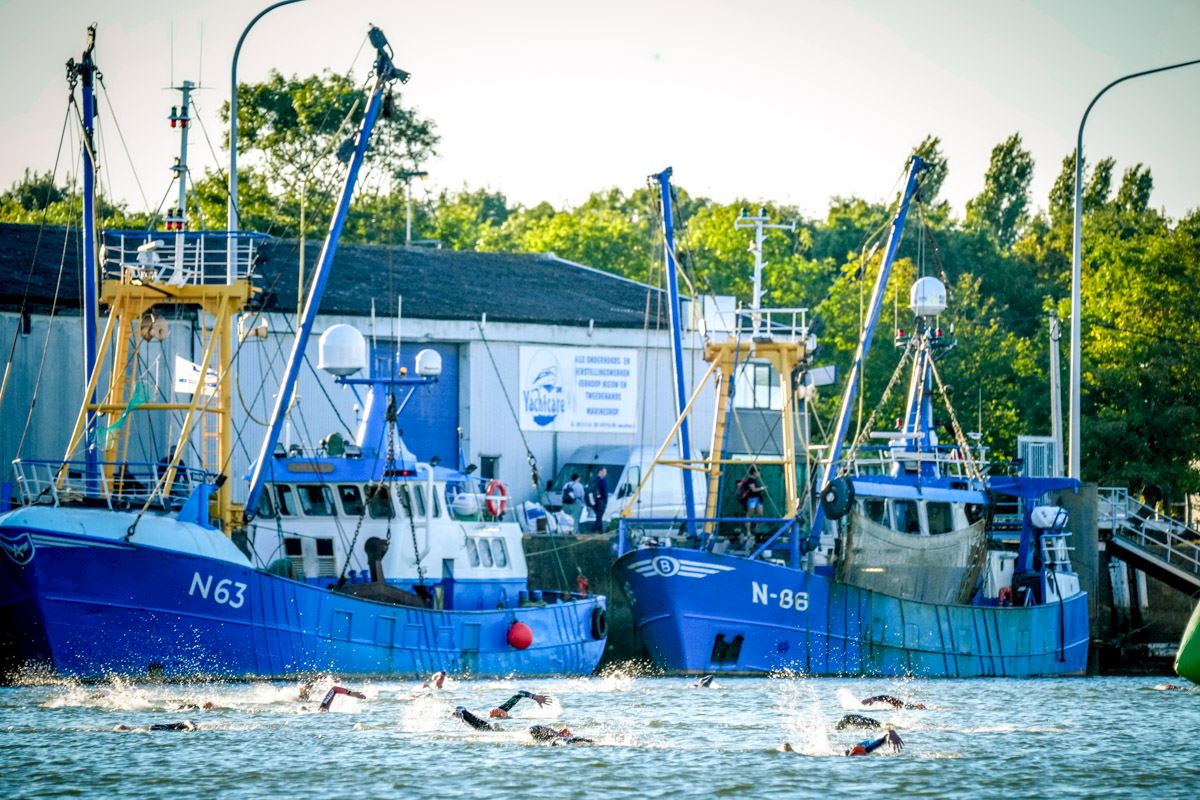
{"x": 904, "y": 516}
{"x": 286, "y": 498}
{"x": 418, "y": 500}
{"x": 352, "y": 504}
{"x": 379, "y": 501}
{"x": 940, "y": 516}
{"x": 316, "y": 499}
{"x": 874, "y": 509}
{"x": 485, "y": 553}
{"x": 472, "y": 552}
{"x": 499, "y": 553}
{"x": 266, "y": 507}
{"x": 758, "y": 387}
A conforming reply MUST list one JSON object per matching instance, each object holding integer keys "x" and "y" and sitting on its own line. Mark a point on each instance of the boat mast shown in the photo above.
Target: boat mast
{"x": 180, "y": 117}
{"x": 385, "y": 73}
{"x": 85, "y": 73}
{"x": 759, "y": 223}
{"x": 864, "y": 342}
{"x": 685, "y": 438}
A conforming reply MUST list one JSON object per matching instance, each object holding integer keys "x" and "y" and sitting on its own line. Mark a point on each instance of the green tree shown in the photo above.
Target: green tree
{"x": 1097, "y": 188}
{"x": 1001, "y": 209}
{"x": 1134, "y": 192}
{"x": 292, "y": 129}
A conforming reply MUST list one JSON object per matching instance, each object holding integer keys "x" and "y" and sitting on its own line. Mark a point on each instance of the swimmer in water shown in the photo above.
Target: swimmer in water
{"x": 894, "y": 702}
{"x": 867, "y": 746}
{"x": 1168, "y": 687}
{"x": 435, "y": 680}
{"x": 475, "y": 722}
{"x": 334, "y": 692}
{"x": 548, "y": 735}
{"x": 207, "y": 705}
{"x": 307, "y": 687}
{"x": 186, "y": 725}
{"x": 856, "y": 721}
{"x": 703, "y": 683}
{"x": 501, "y": 711}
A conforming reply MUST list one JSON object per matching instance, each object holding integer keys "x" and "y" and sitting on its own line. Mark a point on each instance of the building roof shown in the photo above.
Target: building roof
{"x": 435, "y": 284}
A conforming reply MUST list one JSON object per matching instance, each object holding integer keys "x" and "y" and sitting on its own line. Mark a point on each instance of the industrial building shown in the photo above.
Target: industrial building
{"x": 535, "y": 350}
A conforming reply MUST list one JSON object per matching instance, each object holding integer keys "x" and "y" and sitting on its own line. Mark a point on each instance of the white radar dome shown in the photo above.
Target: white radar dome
{"x": 343, "y": 351}
{"x": 927, "y": 298}
{"x": 429, "y": 363}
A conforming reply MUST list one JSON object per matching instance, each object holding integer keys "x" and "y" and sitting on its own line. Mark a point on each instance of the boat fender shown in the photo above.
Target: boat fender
{"x": 599, "y": 623}
{"x": 520, "y": 636}
{"x": 497, "y": 498}
{"x": 837, "y": 497}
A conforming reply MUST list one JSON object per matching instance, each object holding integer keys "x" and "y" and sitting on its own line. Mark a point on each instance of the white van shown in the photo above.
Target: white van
{"x": 662, "y": 496}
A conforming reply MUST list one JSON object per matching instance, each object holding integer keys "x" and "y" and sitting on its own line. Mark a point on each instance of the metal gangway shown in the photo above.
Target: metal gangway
{"x": 1162, "y": 547}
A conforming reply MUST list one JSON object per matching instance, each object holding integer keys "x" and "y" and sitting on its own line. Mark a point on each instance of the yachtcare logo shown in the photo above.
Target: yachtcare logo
{"x": 19, "y": 548}
{"x": 543, "y": 396}
{"x": 668, "y": 566}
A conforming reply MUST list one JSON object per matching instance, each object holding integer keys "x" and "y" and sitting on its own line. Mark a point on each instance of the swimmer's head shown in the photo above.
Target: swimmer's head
{"x": 458, "y": 712}
{"x": 498, "y": 713}
{"x": 787, "y": 747}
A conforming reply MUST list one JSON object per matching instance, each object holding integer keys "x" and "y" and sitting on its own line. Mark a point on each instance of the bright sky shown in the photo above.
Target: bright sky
{"x": 784, "y": 100}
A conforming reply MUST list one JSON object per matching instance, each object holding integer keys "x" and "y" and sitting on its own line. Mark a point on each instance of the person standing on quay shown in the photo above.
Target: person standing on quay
{"x": 598, "y": 497}
{"x": 572, "y": 499}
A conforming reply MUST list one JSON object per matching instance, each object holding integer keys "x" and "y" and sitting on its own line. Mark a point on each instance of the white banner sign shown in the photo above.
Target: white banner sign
{"x": 187, "y": 378}
{"x": 578, "y": 389}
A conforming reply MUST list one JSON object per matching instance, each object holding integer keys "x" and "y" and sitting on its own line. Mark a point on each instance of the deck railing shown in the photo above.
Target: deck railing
{"x": 183, "y": 258}
{"x": 114, "y": 485}
{"x": 1169, "y": 540}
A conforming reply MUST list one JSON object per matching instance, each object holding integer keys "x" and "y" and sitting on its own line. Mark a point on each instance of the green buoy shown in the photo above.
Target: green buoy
{"x": 1187, "y": 660}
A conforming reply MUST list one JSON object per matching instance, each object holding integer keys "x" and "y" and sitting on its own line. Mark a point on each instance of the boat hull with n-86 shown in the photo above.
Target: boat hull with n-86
{"x": 700, "y": 612}
{"x": 911, "y": 559}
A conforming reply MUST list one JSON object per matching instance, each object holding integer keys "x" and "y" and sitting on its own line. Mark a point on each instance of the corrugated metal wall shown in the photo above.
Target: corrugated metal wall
{"x": 322, "y": 407}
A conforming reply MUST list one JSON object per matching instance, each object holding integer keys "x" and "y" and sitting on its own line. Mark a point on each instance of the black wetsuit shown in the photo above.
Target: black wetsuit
{"x": 704, "y": 682}
{"x": 856, "y": 721}
{"x": 894, "y": 702}
{"x": 472, "y": 720}
{"x": 173, "y": 726}
{"x": 544, "y": 733}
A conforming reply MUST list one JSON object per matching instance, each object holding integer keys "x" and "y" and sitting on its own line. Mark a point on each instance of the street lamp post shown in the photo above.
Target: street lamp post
{"x": 231, "y": 259}
{"x": 1076, "y": 278}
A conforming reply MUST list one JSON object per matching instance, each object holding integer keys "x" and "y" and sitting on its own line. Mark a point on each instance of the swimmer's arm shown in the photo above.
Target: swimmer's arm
{"x": 508, "y": 704}
{"x": 474, "y": 721}
{"x": 334, "y": 692}
{"x": 873, "y": 745}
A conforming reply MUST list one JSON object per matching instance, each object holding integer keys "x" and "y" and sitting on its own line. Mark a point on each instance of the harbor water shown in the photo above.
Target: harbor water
{"x": 653, "y": 737}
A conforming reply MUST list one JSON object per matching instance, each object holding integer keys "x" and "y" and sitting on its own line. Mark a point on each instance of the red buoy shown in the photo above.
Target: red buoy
{"x": 519, "y": 635}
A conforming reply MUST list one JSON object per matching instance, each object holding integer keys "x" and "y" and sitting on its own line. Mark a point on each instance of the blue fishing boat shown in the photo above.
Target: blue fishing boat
{"x": 899, "y": 565}
{"x": 352, "y": 557}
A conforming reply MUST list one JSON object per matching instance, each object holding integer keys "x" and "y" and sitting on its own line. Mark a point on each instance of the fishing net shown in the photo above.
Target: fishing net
{"x": 106, "y": 434}
{"x": 931, "y": 569}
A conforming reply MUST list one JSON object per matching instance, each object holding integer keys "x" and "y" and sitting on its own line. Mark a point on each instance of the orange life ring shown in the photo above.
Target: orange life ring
{"x": 496, "y": 498}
